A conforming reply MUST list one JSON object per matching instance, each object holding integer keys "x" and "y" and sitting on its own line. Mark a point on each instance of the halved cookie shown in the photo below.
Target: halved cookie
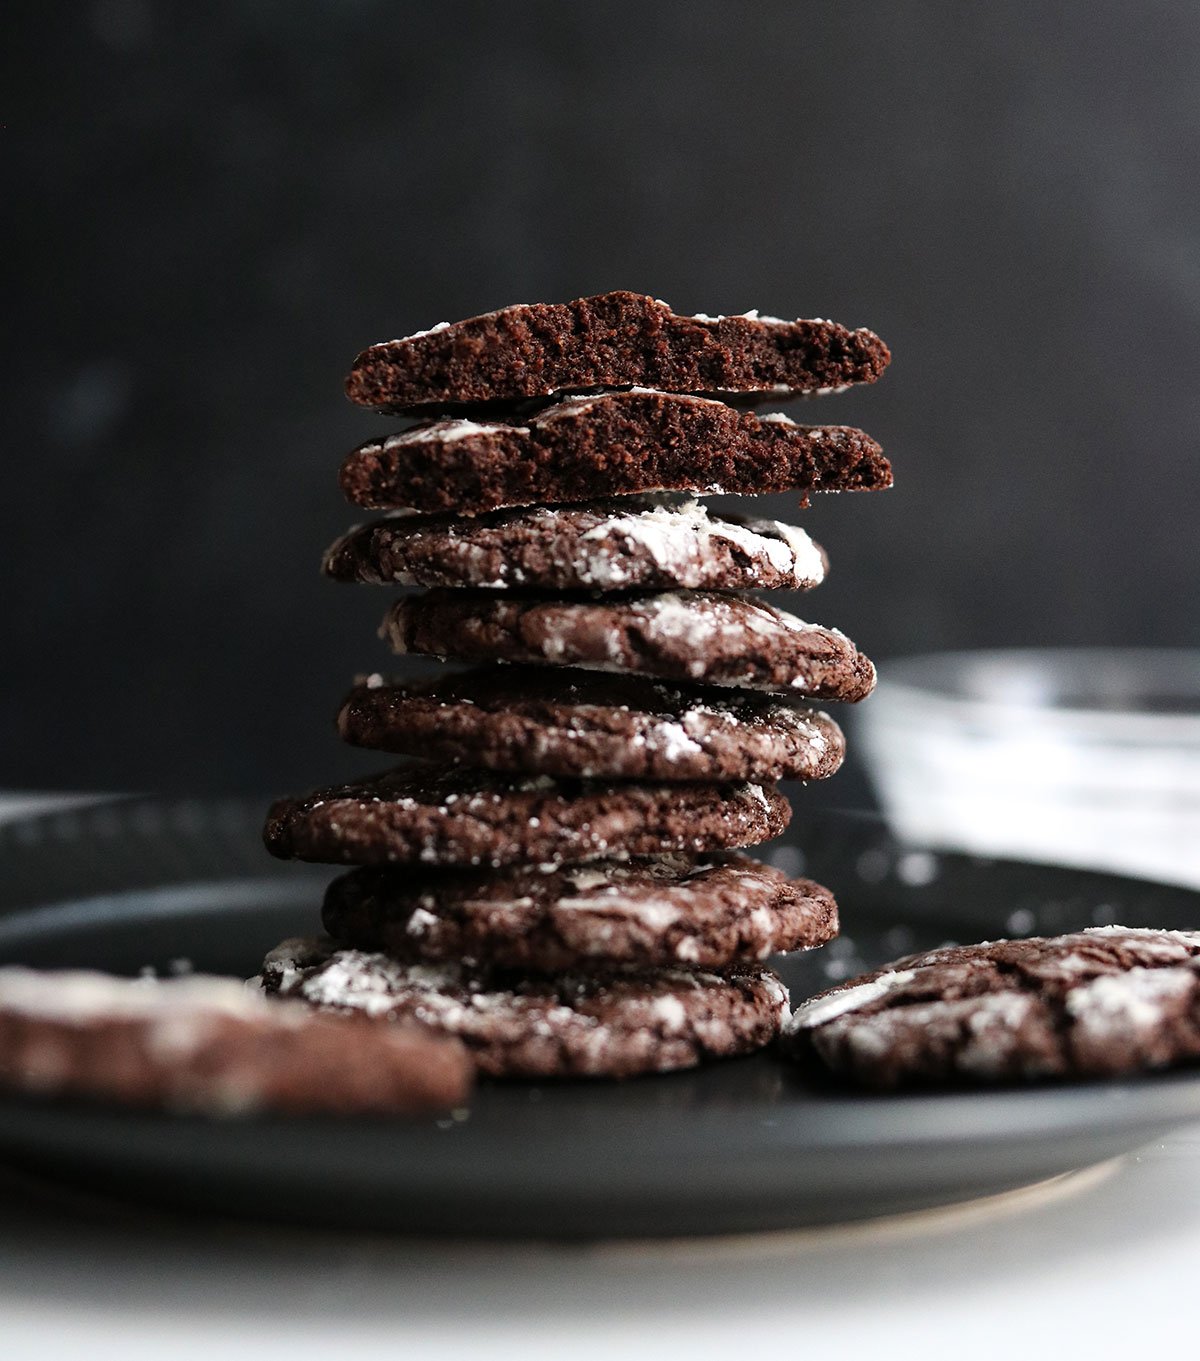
{"x": 608, "y": 444}
{"x": 609, "y": 340}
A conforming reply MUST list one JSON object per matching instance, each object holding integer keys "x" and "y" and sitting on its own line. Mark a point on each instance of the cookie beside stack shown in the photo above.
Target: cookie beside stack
{"x": 555, "y": 878}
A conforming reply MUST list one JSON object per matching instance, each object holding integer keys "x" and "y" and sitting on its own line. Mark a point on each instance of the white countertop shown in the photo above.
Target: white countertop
{"x": 1101, "y": 1264}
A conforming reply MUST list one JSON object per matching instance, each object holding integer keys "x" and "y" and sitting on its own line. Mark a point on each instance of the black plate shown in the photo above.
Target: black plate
{"x": 733, "y": 1147}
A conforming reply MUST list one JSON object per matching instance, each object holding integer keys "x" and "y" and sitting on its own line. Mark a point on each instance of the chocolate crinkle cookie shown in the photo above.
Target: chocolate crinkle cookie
{"x": 702, "y": 637}
{"x": 441, "y": 815}
{"x": 714, "y": 911}
{"x": 614, "y": 1024}
{"x": 608, "y": 444}
{"x": 610, "y": 340}
{"x": 546, "y": 720}
{"x": 1097, "y": 1003}
{"x": 632, "y": 543}
{"x": 213, "y": 1046}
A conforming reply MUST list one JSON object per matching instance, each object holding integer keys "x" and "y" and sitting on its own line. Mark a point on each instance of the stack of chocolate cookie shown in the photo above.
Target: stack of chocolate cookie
{"x": 555, "y": 877}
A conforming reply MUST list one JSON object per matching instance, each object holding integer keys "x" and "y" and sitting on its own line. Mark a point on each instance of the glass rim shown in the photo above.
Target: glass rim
{"x": 943, "y": 681}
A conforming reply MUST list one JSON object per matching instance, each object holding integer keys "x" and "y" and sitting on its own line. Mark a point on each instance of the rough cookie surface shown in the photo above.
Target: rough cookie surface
{"x": 610, "y": 444}
{"x": 212, "y": 1045}
{"x": 609, "y": 340}
{"x": 623, "y": 544}
{"x": 545, "y": 720}
{"x": 708, "y": 639}
{"x": 439, "y": 815}
{"x": 601, "y": 1025}
{"x": 1093, "y": 1004}
{"x": 712, "y": 911}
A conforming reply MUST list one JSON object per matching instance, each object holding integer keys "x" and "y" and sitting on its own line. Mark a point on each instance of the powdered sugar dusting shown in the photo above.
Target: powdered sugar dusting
{"x": 697, "y": 619}
{"x": 655, "y": 912}
{"x": 778, "y": 993}
{"x": 586, "y": 878}
{"x": 417, "y": 335}
{"x": 992, "y": 1026}
{"x": 753, "y": 315}
{"x": 79, "y": 997}
{"x": 674, "y": 742}
{"x": 367, "y": 983}
{"x": 1115, "y": 1004}
{"x": 675, "y": 536}
{"x": 729, "y": 641}
{"x": 670, "y": 1011}
{"x": 819, "y": 1011}
{"x": 1147, "y": 934}
{"x": 446, "y": 432}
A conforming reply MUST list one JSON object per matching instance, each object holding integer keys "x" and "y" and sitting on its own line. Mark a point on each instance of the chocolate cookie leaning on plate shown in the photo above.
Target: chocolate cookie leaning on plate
{"x": 214, "y": 1046}
{"x": 1093, "y": 1004}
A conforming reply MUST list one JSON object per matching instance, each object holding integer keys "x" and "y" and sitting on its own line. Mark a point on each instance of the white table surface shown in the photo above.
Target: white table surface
{"x": 1104, "y": 1263}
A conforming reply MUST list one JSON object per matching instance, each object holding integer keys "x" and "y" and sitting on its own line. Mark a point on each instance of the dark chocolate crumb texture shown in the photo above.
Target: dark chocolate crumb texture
{"x": 546, "y": 720}
{"x": 611, "y": 340}
{"x": 704, "y": 638}
{"x": 439, "y": 815}
{"x": 712, "y": 911}
{"x": 609, "y": 444}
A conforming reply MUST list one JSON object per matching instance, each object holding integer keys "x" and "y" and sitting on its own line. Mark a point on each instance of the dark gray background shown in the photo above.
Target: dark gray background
{"x": 210, "y": 208}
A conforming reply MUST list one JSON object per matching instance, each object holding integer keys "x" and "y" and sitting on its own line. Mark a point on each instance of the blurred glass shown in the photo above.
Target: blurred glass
{"x": 1082, "y": 757}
